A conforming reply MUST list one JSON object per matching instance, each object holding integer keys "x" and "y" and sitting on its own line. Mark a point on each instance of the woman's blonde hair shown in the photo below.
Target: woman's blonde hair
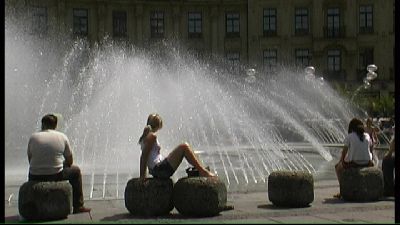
{"x": 154, "y": 122}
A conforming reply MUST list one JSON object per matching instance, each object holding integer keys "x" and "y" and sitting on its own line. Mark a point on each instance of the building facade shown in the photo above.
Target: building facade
{"x": 338, "y": 37}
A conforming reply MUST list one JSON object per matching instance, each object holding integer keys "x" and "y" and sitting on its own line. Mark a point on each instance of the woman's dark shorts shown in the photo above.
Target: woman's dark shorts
{"x": 162, "y": 170}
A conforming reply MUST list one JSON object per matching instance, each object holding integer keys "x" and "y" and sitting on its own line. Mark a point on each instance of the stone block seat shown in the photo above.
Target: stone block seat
{"x": 291, "y": 188}
{"x": 361, "y": 184}
{"x": 153, "y": 197}
{"x": 199, "y": 196}
{"x": 45, "y": 200}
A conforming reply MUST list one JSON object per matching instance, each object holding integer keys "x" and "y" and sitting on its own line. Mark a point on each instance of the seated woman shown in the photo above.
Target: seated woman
{"x": 158, "y": 165}
{"x": 356, "y": 150}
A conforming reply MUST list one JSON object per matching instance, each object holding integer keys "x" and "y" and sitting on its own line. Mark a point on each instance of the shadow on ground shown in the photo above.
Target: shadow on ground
{"x": 341, "y": 201}
{"x": 128, "y": 216}
{"x": 12, "y": 219}
{"x": 272, "y": 206}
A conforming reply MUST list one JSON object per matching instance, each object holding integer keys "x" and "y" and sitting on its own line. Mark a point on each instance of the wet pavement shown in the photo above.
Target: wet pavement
{"x": 249, "y": 207}
{"x": 104, "y": 194}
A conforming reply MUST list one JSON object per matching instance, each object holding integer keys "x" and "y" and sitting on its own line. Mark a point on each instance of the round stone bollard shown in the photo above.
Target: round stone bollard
{"x": 45, "y": 200}
{"x": 361, "y": 184}
{"x": 291, "y": 188}
{"x": 199, "y": 196}
{"x": 153, "y": 197}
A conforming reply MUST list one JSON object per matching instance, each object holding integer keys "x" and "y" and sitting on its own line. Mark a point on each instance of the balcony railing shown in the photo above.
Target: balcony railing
{"x": 301, "y": 32}
{"x": 334, "y": 32}
{"x": 195, "y": 35}
{"x": 270, "y": 33}
{"x": 157, "y": 35}
{"x": 232, "y": 34}
{"x": 339, "y": 76}
{"x": 366, "y": 30}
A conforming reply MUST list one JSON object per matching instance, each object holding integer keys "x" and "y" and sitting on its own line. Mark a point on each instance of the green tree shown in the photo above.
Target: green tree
{"x": 375, "y": 106}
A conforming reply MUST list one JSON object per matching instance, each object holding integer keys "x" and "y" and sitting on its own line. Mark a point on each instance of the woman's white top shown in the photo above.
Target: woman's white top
{"x": 358, "y": 151}
{"x": 154, "y": 155}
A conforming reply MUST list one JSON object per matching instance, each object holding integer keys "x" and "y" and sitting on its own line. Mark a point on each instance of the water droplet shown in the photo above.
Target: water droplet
{"x": 371, "y": 75}
{"x": 10, "y": 197}
{"x": 250, "y": 79}
{"x": 250, "y": 72}
{"x": 321, "y": 80}
{"x": 367, "y": 85}
{"x": 310, "y": 76}
{"x": 309, "y": 70}
{"x": 372, "y": 68}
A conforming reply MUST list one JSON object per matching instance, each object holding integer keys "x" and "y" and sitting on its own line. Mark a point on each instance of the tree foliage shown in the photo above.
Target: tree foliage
{"x": 376, "y": 106}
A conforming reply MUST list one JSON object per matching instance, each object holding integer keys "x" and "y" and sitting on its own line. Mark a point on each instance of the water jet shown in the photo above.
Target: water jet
{"x": 104, "y": 92}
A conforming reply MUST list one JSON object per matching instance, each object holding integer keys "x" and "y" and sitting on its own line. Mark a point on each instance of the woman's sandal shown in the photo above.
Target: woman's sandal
{"x": 227, "y": 207}
{"x": 337, "y": 195}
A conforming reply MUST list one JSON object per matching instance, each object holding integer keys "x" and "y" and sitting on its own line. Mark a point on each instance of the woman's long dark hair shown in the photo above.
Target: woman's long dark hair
{"x": 356, "y": 125}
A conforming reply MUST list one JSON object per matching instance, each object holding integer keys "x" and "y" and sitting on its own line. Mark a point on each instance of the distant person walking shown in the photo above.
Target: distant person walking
{"x": 158, "y": 165}
{"x": 372, "y": 131}
{"x": 373, "y": 134}
{"x": 50, "y": 159}
{"x": 388, "y": 165}
{"x": 356, "y": 150}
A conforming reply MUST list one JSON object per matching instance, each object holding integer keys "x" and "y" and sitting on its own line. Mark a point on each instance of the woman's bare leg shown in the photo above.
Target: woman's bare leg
{"x": 185, "y": 151}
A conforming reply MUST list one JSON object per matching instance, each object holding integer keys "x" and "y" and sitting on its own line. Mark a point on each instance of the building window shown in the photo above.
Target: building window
{"x": 157, "y": 24}
{"x": 194, "y": 24}
{"x": 270, "y": 60}
{"x": 233, "y": 60}
{"x": 334, "y": 60}
{"x": 80, "y": 22}
{"x": 302, "y": 57}
{"x": 366, "y": 58}
{"x": 366, "y": 19}
{"x": 269, "y": 22}
{"x": 301, "y": 21}
{"x": 39, "y": 20}
{"x": 333, "y": 22}
{"x": 232, "y": 25}
{"x": 119, "y": 24}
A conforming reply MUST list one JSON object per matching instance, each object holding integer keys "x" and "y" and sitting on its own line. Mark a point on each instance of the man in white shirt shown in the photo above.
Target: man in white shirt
{"x": 50, "y": 159}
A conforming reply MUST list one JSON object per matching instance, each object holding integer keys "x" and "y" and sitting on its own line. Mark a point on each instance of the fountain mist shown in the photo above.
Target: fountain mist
{"x": 104, "y": 92}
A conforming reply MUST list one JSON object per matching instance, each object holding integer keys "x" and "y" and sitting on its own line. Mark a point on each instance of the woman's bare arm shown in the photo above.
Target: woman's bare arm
{"x": 149, "y": 141}
{"x": 344, "y": 152}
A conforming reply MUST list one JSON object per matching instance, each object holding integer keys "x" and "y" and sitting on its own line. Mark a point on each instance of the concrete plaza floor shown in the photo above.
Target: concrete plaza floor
{"x": 250, "y": 207}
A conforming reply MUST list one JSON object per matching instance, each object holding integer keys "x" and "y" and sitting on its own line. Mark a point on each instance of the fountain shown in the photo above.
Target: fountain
{"x": 245, "y": 127}
{"x": 370, "y": 76}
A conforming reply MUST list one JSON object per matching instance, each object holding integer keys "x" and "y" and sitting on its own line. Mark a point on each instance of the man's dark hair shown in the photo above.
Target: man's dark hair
{"x": 49, "y": 121}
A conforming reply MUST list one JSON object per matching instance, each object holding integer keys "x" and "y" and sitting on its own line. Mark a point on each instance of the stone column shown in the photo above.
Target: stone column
{"x": 61, "y": 18}
{"x": 254, "y": 23}
{"x": 101, "y": 18}
{"x": 351, "y": 25}
{"x": 317, "y": 24}
{"x": 176, "y": 19}
{"x": 139, "y": 24}
{"x": 214, "y": 30}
